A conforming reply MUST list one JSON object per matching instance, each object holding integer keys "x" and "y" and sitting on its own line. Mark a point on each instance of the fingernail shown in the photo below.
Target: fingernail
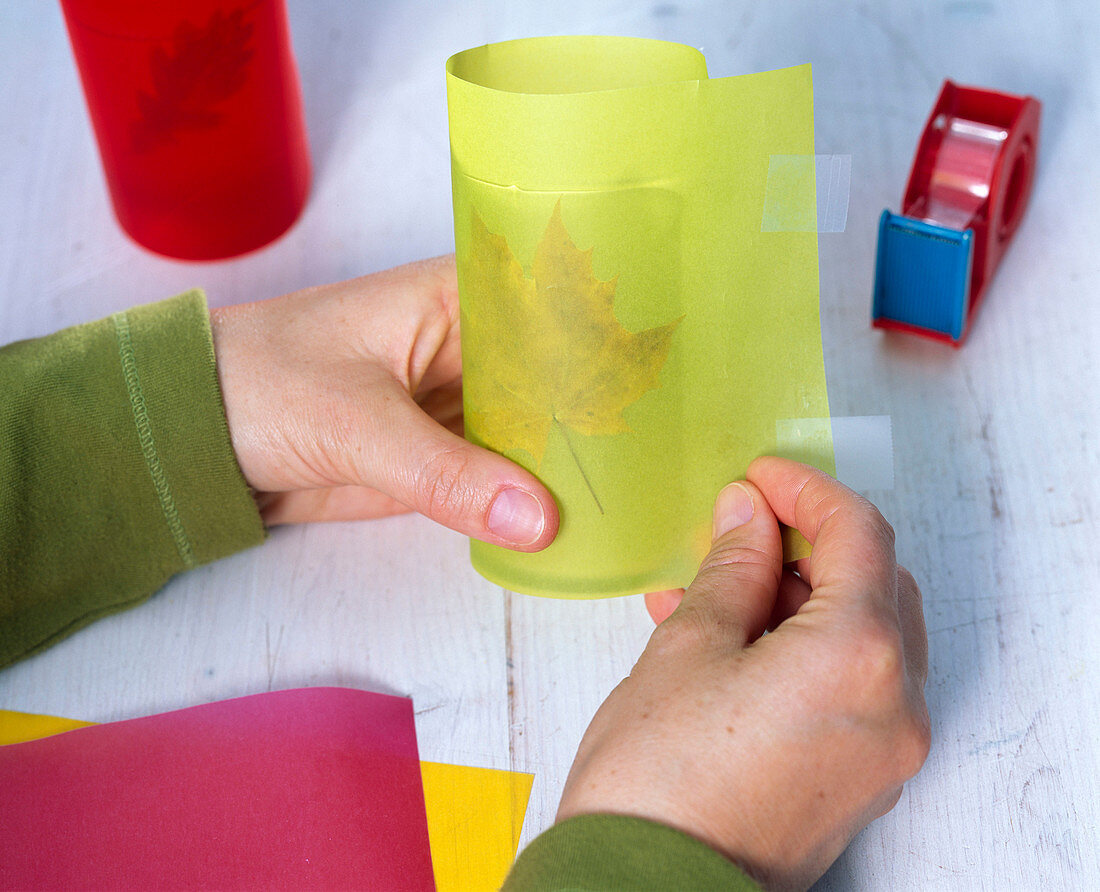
{"x": 516, "y": 516}
{"x": 733, "y": 508}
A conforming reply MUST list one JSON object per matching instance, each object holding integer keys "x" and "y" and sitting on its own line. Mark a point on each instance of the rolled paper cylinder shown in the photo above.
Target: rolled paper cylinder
{"x": 198, "y": 115}
{"x": 629, "y": 334}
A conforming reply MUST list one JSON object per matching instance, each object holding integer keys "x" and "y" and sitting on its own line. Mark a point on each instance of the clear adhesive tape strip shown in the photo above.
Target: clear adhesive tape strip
{"x": 863, "y": 446}
{"x": 965, "y": 163}
{"x": 807, "y": 193}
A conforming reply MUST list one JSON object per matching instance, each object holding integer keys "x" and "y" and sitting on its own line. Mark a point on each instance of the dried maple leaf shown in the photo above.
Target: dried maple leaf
{"x": 204, "y": 67}
{"x": 546, "y": 349}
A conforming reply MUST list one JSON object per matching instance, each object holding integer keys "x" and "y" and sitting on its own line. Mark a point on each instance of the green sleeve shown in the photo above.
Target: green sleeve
{"x": 613, "y": 853}
{"x": 116, "y": 469}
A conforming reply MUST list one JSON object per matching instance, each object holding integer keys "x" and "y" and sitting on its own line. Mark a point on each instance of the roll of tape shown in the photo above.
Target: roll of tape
{"x": 967, "y": 192}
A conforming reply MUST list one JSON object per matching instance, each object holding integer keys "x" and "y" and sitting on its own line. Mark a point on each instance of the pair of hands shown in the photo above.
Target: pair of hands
{"x": 344, "y": 402}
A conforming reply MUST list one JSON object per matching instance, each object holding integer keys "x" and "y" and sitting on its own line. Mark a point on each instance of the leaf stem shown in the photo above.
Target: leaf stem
{"x": 577, "y": 462}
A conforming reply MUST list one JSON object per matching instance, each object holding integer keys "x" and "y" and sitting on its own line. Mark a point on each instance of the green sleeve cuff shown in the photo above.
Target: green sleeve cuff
{"x": 116, "y": 469}
{"x": 614, "y": 852}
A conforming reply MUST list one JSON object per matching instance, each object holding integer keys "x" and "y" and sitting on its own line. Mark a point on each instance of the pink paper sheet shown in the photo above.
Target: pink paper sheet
{"x": 311, "y": 788}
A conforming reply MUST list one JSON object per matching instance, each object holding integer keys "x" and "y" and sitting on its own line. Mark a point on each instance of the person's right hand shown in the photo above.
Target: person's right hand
{"x": 773, "y": 749}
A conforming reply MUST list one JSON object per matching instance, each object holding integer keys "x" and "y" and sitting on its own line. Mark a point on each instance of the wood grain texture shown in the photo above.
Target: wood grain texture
{"x": 997, "y": 446}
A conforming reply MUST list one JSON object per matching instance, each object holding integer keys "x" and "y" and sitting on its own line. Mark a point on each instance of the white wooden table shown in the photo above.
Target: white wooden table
{"x": 997, "y": 446}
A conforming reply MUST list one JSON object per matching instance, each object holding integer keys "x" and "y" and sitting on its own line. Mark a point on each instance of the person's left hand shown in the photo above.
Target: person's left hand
{"x": 344, "y": 402}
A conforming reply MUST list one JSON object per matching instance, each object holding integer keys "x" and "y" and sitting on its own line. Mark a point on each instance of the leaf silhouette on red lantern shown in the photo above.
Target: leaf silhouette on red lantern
{"x": 202, "y": 68}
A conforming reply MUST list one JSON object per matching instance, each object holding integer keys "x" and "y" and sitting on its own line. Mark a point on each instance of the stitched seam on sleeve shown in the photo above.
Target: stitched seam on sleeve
{"x": 148, "y": 445}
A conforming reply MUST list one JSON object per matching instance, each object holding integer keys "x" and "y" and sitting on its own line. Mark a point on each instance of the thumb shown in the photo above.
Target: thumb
{"x": 736, "y": 586}
{"x": 421, "y": 464}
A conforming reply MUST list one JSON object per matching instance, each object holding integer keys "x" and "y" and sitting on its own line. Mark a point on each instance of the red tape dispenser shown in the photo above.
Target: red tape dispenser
{"x": 967, "y": 192}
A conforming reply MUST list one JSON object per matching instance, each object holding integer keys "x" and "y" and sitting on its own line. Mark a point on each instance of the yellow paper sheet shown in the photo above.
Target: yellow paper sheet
{"x": 475, "y": 815}
{"x": 18, "y": 727}
{"x": 630, "y": 334}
